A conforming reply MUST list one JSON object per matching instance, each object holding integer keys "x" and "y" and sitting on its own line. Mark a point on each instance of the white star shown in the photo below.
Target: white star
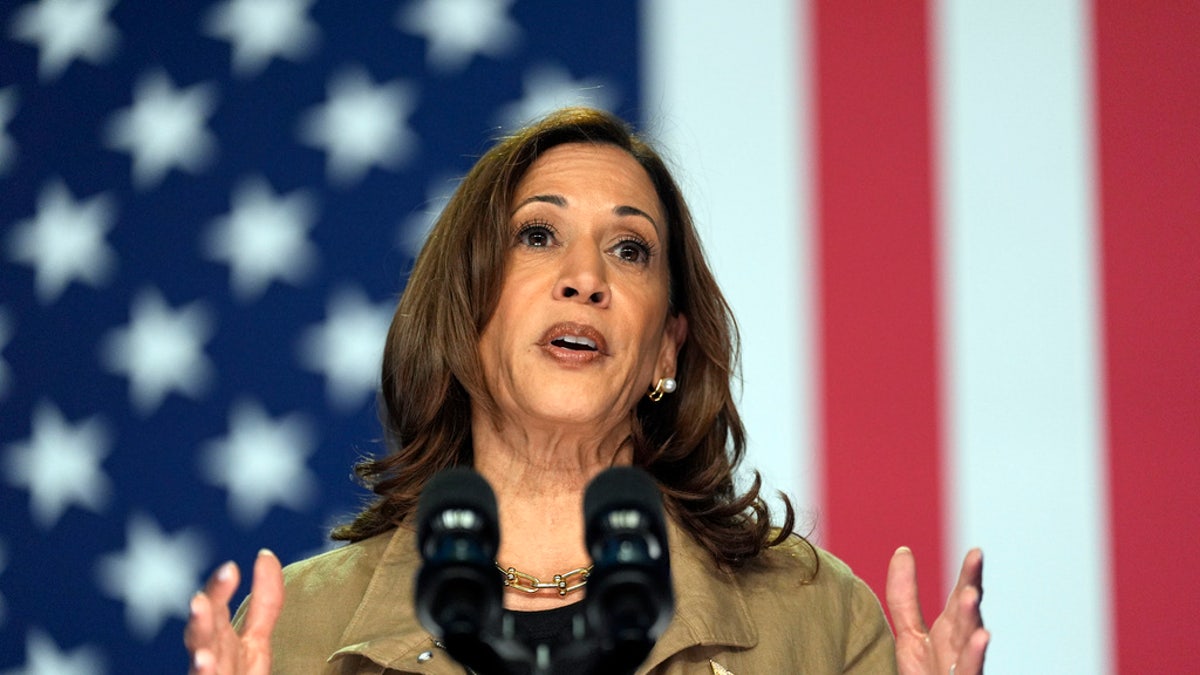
{"x": 65, "y": 30}
{"x": 8, "y": 110}
{"x": 548, "y": 88}
{"x": 411, "y": 234}
{"x": 361, "y": 125}
{"x": 264, "y": 237}
{"x": 348, "y": 347}
{"x": 155, "y": 576}
{"x": 60, "y": 465}
{"x": 6, "y": 333}
{"x": 261, "y": 462}
{"x": 65, "y": 241}
{"x": 42, "y": 657}
{"x": 261, "y": 29}
{"x": 160, "y": 350}
{"x": 164, "y": 128}
{"x": 458, "y": 29}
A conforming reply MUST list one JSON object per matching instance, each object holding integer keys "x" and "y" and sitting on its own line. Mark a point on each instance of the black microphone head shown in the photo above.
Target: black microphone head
{"x": 629, "y": 600}
{"x": 622, "y": 488}
{"x": 622, "y": 499}
{"x": 458, "y": 499}
{"x": 458, "y": 589}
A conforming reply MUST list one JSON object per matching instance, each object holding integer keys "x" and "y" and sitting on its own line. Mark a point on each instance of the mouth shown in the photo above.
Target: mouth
{"x": 575, "y": 343}
{"x": 574, "y": 337}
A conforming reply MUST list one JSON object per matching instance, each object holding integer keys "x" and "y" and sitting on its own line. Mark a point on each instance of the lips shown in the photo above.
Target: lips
{"x": 574, "y": 338}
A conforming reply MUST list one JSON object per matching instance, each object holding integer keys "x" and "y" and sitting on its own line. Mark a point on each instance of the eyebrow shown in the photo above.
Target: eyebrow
{"x": 561, "y": 202}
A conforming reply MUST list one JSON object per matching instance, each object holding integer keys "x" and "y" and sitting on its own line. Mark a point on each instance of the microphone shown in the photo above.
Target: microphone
{"x": 458, "y": 591}
{"x": 629, "y": 600}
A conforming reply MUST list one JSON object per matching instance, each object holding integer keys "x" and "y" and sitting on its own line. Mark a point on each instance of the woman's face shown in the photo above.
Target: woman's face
{"x": 582, "y": 328}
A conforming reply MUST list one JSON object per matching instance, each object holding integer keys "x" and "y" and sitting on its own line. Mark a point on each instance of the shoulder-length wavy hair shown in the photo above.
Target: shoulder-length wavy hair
{"x": 690, "y": 441}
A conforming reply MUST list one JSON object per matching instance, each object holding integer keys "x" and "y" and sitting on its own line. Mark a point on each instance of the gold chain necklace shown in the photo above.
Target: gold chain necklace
{"x": 531, "y": 584}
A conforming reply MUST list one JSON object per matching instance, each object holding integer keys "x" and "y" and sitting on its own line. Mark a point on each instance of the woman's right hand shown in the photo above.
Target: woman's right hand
{"x": 214, "y": 645}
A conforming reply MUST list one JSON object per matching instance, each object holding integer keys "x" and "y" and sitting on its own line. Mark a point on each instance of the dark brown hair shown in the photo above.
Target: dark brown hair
{"x": 690, "y": 441}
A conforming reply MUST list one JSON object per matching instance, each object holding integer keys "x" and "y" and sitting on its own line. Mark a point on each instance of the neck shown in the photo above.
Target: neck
{"x": 539, "y": 477}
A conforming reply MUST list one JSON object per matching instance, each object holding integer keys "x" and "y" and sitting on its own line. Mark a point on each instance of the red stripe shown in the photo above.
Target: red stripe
{"x": 880, "y": 440}
{"x": 1148, "y": 119}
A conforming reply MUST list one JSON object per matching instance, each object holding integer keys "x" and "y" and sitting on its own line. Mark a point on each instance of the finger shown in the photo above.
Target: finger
{"x": 969, "y": 617}
{"x": 203, "y": 663}
{"x": 971, "y": 572}
{"x": 220, "y": 589}
{"x": 970, "y": 575}
{"x": 901, "y": 593}
{"x": 208, "y": 635}
{"x": 965, "y": 620}
{"x": 198, "y": 633}
{"x": 970, "y": 659}
{"x": 266, "y": 598}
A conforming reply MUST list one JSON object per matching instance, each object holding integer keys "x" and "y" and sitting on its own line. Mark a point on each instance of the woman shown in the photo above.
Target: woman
{"x": 562, "y": 319}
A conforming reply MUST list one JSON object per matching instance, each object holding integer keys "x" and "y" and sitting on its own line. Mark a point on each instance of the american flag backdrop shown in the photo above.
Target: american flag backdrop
{"x": 962, "y": 240}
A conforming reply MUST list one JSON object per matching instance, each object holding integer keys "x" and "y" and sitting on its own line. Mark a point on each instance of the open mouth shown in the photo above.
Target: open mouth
{"x": 575, "y": 342}
{"x": 584, "y": 341}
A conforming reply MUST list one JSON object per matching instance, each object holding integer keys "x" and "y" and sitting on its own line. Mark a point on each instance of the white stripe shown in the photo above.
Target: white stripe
{"x": 721, "y": 92}
{"x": 1026, "y": 477}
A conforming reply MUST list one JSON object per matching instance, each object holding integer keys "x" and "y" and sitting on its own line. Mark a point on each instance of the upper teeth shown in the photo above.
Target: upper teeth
{"x": 575, "y": 339}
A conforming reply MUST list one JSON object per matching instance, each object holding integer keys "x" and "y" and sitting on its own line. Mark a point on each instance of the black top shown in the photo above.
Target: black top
{"x": 554, "y": 628}
{"x": 547, "y": 625}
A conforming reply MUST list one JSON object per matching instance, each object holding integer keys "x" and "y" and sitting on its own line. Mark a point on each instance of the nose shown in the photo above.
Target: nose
{"x": 582, "y": 278}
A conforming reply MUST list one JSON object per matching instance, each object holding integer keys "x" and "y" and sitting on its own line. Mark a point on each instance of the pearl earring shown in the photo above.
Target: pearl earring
{"x": 666, "y": 385}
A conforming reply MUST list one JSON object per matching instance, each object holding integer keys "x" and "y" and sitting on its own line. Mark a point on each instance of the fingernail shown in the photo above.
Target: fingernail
{"x": 201, "y": 659}
{"x": 266, "y": 551}
{"x": 193, "y": 604}
{"x": 226, "y": 572}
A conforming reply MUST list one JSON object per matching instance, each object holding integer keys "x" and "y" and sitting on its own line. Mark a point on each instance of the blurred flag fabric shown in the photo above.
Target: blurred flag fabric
{"x": 962, "y": 241}
{"x": 208, "y": 211}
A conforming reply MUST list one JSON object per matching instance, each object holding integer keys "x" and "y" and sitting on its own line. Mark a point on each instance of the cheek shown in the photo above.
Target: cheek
{"x": 507, "y": 334}
{"x": 653, "y": 334}
{"x": 495, "y": 333}
{"x": 506, "y": 314}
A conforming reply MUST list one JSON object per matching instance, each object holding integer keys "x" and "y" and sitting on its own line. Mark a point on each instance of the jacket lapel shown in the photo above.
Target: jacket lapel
{"x": 384, "y": 628}
{"x": 708, "y": 608}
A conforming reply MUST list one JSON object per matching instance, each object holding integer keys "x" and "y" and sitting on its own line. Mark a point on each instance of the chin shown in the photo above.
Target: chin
{"x": 565, "y": 406}
{"x": 576, "y": 416}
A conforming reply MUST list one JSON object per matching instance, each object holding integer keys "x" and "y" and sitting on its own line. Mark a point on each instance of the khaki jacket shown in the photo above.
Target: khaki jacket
{"x": 351, "y": 611}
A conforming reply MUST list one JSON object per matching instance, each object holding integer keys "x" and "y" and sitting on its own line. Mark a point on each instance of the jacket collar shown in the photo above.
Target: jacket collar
{"x": 709, "y": 610}
{"x": 385, "y": 628}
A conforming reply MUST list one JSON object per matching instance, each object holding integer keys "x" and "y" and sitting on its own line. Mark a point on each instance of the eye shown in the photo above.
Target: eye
{"x": 536, "y": 235}
{"x": 634, "y": 251}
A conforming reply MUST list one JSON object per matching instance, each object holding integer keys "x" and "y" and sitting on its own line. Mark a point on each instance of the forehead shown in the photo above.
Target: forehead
{"x": 583, "y": 171}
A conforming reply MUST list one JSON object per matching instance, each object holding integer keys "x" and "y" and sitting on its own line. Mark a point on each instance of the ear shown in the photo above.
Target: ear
{"x": 674, "y": 335}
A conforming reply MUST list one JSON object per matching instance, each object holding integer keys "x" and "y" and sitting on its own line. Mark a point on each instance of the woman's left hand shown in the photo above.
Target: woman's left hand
{"x": 956, "y": 642}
